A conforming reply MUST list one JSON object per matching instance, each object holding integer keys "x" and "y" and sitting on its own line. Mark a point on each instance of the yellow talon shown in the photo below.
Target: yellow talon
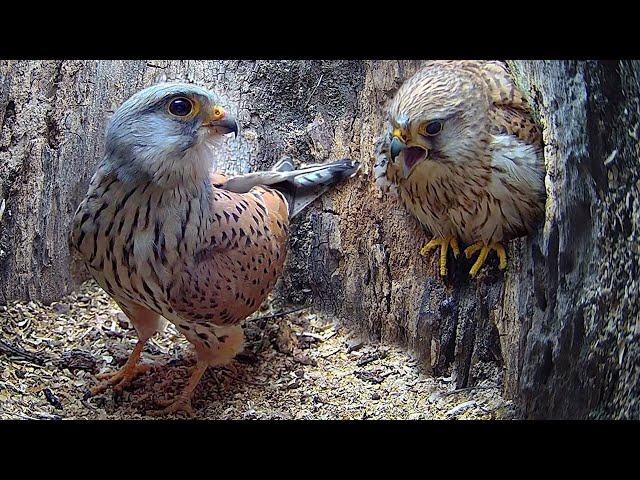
{"x": 484, "y": 252}
{"x": 453, "y": 243}
{"x": 444, "y": 244}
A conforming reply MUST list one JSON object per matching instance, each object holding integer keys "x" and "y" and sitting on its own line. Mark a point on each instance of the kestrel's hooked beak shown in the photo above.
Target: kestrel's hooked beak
{"x": 398, "y": 143}
{"x": 412, "y": 154}
{"x": 221, "y": 120}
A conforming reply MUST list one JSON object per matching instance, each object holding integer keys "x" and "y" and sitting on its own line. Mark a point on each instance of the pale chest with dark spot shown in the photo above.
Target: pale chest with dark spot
{"x": 436, "y": 192}
{"x": 133, "y": 237}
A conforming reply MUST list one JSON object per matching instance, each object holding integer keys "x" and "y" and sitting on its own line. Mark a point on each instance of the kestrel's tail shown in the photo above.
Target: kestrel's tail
{"x": 300, "y": 187}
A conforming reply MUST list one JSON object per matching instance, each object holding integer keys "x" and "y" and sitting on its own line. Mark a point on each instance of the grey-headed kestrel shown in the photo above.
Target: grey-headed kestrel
{"x": 464, "y": 154}
{"x": 166, "y": 237}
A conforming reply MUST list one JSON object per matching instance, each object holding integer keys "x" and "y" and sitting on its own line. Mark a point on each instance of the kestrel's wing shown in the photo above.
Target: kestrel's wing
{"x": 217, "y": 179}
{"x": 239, "y": 260}
{"x": 516, "y": 158}
{"x": 511, "y": 121}
{"x": 241, "y": 254}
{"x": 300, "y": 187}
{"x": 510, "y": 112}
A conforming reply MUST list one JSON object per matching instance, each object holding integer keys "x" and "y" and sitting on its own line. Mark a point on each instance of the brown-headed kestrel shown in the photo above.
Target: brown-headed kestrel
{"x": 465, "y": 156}
{"x": 166, "y": 237}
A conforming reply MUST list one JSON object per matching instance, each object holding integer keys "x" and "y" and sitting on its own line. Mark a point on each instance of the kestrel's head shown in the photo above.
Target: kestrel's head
{"x": 165, "y": 133}
{"x": 438, "y": 115}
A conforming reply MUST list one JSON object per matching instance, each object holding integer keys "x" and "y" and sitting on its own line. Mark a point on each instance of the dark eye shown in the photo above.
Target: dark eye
{"x": 433, "y": 128}
{"x": 180, "y": 107}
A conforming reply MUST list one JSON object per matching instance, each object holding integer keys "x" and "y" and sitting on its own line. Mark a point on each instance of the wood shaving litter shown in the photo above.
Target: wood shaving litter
{"x": 298, "y": 366}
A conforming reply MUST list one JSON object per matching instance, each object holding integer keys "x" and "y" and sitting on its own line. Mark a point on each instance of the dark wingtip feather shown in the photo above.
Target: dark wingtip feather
{"x": 349, "y": 167}
{"x": 285, "y": 164}
{"x": 318, "y": 179}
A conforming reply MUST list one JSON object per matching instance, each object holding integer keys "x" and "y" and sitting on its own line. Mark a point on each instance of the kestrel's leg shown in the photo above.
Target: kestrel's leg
{"x": 444, "y": 244}
{"x": 146, "y": 324}
{"x": 228, "y": 342}
{"x": 484, "y": 252}
{"x": 125, "y": 375}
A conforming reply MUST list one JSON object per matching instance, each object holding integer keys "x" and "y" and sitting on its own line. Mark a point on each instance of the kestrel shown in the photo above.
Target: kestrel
{"x": 166, "y": 237}
{"x": 465, "y": 156}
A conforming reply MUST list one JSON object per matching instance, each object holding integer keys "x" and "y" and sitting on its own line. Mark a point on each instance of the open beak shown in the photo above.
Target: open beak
{"x": 412, "y": 154}
{"x": 397, "y": 146}
{"x": 222, "y": 121}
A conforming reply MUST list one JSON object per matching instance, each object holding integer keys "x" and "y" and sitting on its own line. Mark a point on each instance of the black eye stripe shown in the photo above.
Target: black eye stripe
{"x": 180, "y": 107}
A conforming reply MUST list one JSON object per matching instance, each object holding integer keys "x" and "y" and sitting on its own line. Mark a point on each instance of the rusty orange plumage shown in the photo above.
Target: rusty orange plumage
{"x": 167, "y": 237}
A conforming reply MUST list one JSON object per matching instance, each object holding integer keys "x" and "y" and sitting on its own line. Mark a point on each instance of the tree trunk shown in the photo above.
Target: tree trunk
{"x": 558, "y": 326}
{"x": 580, "y": 352}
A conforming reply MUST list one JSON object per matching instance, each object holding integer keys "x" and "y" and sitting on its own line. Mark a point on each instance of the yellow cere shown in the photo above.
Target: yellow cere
{"x": 399, "y": 133}
{"x": 218, "y": 113}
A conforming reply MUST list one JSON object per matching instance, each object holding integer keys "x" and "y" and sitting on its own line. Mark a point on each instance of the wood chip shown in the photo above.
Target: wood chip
{"x": 52, "y": 399}
{"x": 305, "y": 360}
{"x": 353, "y": 346}
{"x": 372, "y": 357}
{"x": 332, "y": 352}
{"x": 293, "y": 385}
{"x": 463, "y": 407}
{"x": 247, "y": 356}
{"x": 315, "y": 336}
{"x": 369, "y": 377}
{"x": 78, "y": 359}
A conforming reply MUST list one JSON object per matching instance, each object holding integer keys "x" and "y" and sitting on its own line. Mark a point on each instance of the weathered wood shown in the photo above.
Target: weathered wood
{"x": 581, "y": 322}
{"x": 559, "y": 325}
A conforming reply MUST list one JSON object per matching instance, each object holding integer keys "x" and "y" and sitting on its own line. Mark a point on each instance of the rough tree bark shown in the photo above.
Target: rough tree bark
{"x": 580, "y": 329}
{"x": 558, "y": 326}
